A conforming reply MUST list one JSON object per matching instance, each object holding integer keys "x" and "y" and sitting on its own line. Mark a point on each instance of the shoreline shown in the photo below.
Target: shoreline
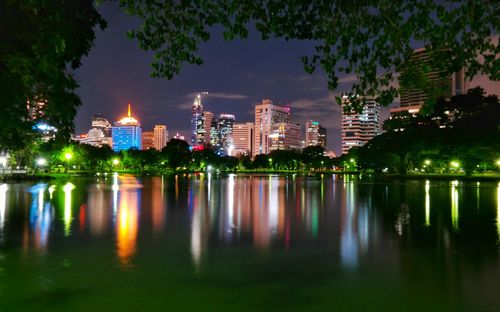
{"x": 362, "y": 175}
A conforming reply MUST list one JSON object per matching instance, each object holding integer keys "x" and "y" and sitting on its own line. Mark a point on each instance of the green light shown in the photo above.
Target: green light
{"x": 116, "y": 161}
{"x": 68, "y": 156}
{"x": 427, "y": 162}
{"x": 498, "y": 162}
{"x": 455, "y": 164}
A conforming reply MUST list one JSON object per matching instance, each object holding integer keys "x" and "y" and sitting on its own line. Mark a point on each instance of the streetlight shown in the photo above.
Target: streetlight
{"x": 68, "y": 157}
{"x": 498, "y": 162}
{"x": 455, "y": 164}
{"x": 41, "y": 162}
{"x": 271, "y": 162}
{"x": 427, "y": 162}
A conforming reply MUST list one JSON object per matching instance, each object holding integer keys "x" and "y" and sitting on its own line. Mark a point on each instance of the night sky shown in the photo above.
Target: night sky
{"x": 237, "y": 75}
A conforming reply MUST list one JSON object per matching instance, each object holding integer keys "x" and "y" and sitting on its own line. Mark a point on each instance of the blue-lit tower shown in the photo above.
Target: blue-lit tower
{"x": 126, "y": 133}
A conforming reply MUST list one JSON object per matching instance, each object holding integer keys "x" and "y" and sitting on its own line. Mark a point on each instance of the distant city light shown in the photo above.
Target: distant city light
{"x": 41, "y": 162}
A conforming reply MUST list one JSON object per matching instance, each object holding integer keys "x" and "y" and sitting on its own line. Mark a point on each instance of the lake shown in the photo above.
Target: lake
{"x": 249, "y": 242}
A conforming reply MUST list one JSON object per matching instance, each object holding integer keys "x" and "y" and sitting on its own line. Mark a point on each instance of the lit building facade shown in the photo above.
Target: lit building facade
{"x": 322, "y": 138}
{"x": 359, "y": 128}
{"x": 147, "y": 140}
{"x": 225, "y": 133}
{"x": 99, "y": 122}
{"x": 243, "y": 139}
{"x": 160, "y": 137}
{"x": 206, "y": 130}
{"x": 197, "y": 128}
{"x": 266, "y": 115}
{"x": 94, "y": 137}
{"x": 412, "y": 98}
{"x": 286, "y": 136}
{"x": 312, "y": 133}
{"x": 126, "y": 133}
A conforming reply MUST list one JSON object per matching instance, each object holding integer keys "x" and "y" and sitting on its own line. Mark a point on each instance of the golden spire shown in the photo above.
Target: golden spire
{"x": 129, "y": 110}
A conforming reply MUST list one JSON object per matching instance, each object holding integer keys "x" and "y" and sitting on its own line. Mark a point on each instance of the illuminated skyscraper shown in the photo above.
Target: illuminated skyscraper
{"x": 286, "y": 136}
{"x": 243, "y": 139}
{"x": 312, "y": 133}
{"x": 197, "y": 127}
{"x": 126, "y": 133}
{"x": 160, "y": 137}
{"x": 207, "y": 118}
{"x": 225, "y": 133}
{"x": 147, "y": 140}
{"x": 99, "y": 122}
{"x": 359, "y": 128}
{"x": 412, "y": 97}
{"x": 322, "y": 137}
{"x": 266, "y": 115}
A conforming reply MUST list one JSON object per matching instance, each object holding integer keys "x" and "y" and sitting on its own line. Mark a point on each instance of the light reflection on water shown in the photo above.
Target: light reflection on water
{"x": 356, "y": 226}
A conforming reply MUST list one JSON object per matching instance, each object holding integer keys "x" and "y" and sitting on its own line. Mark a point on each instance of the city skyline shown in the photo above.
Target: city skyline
{"x": 236, "y": 74}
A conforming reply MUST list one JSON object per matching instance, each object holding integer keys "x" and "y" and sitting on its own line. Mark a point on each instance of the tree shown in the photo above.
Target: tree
{"x": 42, "y": 41}
{"x": 371, "y": 39}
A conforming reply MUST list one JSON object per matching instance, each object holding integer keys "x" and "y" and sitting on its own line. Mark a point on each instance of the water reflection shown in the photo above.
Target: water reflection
{"x": 498, "y": 210}
{"x": 40, "y": 216}
{"x": 3, "y": 199}
{"x": 454, "y": 205}
{"x": 128, "y": 218}
{"x": 68, "y": 218}
{"x": 427, "y": 204}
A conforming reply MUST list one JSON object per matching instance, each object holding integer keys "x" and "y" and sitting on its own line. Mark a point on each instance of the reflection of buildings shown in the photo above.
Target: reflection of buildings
{"x": 41, "y": 213}
{"x": 127, "y": 218}
{"x": 99, "y": 214}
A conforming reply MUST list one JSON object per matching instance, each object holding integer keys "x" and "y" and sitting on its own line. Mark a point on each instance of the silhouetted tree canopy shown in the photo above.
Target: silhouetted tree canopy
{"x": 41, "y": 43}
{"x": 372, "y": 39}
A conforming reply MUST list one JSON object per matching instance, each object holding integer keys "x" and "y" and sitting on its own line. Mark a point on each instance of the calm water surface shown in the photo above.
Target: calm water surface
{"x": 326, "y": 243}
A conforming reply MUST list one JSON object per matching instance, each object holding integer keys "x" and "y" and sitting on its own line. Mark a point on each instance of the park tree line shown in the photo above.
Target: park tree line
{"x": 176, "y": 156}
{"x": 456, "y": 135}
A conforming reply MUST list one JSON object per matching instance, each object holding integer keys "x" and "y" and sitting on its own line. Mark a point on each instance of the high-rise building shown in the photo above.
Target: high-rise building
{"x": 243, "y": 139}
{"x": 99, "y": 122}
{"x": 197, "y": 128}
{"x": 225, "y": 125}
{"x": 286, "y": 136}
{"x": 214, "y": 134}
{"x": 322, "y": 136}
{"x": 312, "y": 133}
{"x": 94, "y": 137}
{"x": 266, "y": 115}
{"x": 148, "y": 140}
{"x": 412, "y": 97}
{"x": 126, "y": 133}
{"x": 160, "y": 137}
{"x": 359, "y": 128}
{"x": 207, "y": 118}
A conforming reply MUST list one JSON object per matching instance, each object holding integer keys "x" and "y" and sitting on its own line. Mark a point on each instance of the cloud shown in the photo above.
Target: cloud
{"x": 184, "y": 106}
{"x": 348, "y": 79}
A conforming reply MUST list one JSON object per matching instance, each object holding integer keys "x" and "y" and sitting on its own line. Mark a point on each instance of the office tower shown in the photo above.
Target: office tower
{"x": 197, "y": 134}
{"x": 322, "y": 136}
{"x": 206, "y": 131}
{"x": 148, "y": 140}
{"x": 243, "y": 139}
{"x": 160, "y": 136}
{"x": 94, "y": 137}
{"x": 126, "y": 133}
{"x": 285, "y": 136}
{"x": 99, "y": 122}
{"x": 225, "y": 124}
{"x": 266, "y": 115}
{"x": 412, "y": 98}
{"x": 359, "y": 128}
{"x": 214, "y": 134}
{"x": 312, "y": 133}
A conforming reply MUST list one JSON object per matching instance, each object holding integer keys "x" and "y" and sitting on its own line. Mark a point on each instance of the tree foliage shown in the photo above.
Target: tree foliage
{"x": 41, "y": 42}
{"x": 372, "y": 39}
